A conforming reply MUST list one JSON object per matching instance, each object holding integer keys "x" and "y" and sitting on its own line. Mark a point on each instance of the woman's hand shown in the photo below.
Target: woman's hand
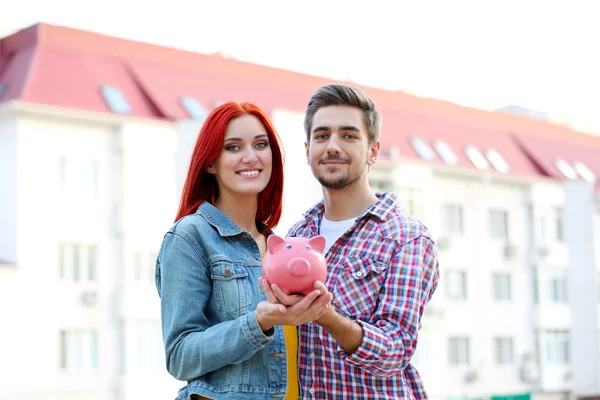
{"x": 281, "y": 309}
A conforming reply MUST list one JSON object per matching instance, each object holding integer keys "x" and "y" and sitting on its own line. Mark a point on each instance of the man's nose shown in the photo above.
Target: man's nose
{"x": 333, "y": 146}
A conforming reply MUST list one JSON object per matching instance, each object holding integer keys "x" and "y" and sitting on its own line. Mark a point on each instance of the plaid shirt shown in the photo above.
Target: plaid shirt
{"x": 382, "y": 272}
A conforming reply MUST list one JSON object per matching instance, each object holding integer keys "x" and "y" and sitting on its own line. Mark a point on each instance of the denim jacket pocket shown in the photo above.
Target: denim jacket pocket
{"x": 232, "y": 292}
{"x": 357, "y": 290}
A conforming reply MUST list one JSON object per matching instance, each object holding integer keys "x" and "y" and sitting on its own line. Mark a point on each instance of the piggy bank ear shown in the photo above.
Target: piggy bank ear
{"x": 273, "y": 242}
{"x": 317, "y": 243}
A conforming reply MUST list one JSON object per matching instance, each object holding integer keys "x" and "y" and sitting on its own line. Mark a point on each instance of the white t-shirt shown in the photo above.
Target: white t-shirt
{"x": 332, "y": 230}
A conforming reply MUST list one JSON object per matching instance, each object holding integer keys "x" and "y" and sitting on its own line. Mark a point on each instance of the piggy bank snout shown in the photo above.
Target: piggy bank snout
{"x": 298, "y": 267}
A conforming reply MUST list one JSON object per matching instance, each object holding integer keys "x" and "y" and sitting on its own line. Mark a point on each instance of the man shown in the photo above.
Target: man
{"x": 382, "y": 263}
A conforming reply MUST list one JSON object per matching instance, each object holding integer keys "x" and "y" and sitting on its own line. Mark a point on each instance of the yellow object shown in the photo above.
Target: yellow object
{"x": 291, "y": 348}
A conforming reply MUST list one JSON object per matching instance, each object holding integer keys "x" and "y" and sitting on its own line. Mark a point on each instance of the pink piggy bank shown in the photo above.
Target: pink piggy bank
{"x": 294, "y": 264}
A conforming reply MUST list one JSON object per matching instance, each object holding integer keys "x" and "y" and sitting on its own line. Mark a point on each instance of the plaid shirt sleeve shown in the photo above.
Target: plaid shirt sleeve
{"x": 390, "y": 335}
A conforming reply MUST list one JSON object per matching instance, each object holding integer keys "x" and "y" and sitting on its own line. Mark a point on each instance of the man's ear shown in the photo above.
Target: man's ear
{"x": 307, "y": 151}
{"x": 374, "y": 152}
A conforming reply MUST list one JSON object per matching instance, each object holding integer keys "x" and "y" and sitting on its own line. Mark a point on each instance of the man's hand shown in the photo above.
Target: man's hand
{"x": 290, "y": 310}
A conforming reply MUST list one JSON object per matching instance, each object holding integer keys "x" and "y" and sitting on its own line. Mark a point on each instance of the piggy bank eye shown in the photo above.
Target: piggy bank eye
{"x": 289, "y": 246}
{"x": 307, "y": 247}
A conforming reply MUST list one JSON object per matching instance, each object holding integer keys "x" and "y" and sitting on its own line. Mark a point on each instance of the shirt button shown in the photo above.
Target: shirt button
{"x": 312, "y": 391}
{"x": 312, "y": 355}
{"x": 358, "y": 274}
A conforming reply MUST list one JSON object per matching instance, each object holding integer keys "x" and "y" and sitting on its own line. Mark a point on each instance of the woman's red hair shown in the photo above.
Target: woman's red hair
{"x": 201, "y": 186}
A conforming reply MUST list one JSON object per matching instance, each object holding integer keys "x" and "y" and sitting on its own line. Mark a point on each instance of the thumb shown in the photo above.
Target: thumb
{"x": 275, "y": 308}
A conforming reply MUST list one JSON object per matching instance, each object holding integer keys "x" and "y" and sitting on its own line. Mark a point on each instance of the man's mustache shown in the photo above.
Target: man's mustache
{"x": 333, "y": 158}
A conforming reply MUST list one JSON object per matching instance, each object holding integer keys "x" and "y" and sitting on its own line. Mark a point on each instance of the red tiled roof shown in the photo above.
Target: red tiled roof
{"x": 544, "y": 152}
{"x": 65, "y": 67}
{"x": 457, "y": 136}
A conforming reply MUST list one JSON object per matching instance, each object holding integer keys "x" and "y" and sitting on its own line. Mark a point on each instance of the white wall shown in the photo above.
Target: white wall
{"x": 301, "y": 189}
{"x": 8, "y": 189}
{"x": 120, "y": 196}
{"x": 151, "y": 155}
{"x": 580, "y": 211}
{"x": 46, "y": 216}
{"x": 480, "y": 317}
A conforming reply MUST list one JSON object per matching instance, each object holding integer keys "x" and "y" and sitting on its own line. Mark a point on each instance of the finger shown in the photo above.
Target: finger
{"x": 303, "y": 304}
{"x": 320, "y": 286}
{"x": 322, "y": 302}
{"x": 283, "y": 298}
{"x": 318, "y": 307}
{"x": 264, "y": 284}
{"x": 271, "y": 309}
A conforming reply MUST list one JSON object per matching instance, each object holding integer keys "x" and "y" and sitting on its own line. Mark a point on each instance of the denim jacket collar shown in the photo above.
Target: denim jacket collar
{"x": 218, "y": 219}
{"x": 222, "y": 222}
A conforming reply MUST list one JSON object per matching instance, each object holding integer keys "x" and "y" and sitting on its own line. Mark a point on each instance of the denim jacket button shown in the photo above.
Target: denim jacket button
{"x": 227, "y": 272}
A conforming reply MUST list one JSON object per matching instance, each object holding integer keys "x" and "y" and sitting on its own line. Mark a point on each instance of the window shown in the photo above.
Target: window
{"x": 453, "y": 217}
{"x": 77, "y": 262}
{"x": 445, "y": 152}
{"x": 499, "y": 224}
{"x": 542, "y": 230}
{"x": 503, "y": 350}
{"x": 560, "y": 235}
{"x": 557, "y": 346}
{"x": 502, "y": 286}
{"x": 497, "y": 161}
{"x": 413, "y": 201}
{"x": 584, "y": 172}
{"x": 557, "y": 286}
{"x": 78, "y": 179}
{"x": 456, "y": 285}
{"x": 115, "y": 99}
{"x": 475, "y": 156}
{"x": 459, "y": 350}
{"x": 536, "y": 284}
{"x": 194, "y": 109}
{"x": 565, "y": 169}
{"x": 144, "y": 266}
{"x": 78, "y": 350}
{"x": 422, "y": 149}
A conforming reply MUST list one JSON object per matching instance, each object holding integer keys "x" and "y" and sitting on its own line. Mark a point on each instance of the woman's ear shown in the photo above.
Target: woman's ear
{"x": 211, "y": 169}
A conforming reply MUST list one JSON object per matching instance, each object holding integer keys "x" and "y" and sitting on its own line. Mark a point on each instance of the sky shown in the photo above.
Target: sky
{"x": 539, "y": 54}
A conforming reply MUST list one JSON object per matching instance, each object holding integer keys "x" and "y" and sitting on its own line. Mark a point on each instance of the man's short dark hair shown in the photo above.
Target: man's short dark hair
{"x": 344, "y": 95}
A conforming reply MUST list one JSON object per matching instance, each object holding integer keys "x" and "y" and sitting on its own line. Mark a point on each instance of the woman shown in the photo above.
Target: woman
{"x": 220, "y": 333}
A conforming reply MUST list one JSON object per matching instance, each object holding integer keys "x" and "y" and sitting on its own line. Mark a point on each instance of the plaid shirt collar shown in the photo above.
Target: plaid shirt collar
{"x": 381, "y": 209}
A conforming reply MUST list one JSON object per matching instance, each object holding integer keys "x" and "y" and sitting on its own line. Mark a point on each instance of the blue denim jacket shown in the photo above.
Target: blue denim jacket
{"x": 207, "y": 279}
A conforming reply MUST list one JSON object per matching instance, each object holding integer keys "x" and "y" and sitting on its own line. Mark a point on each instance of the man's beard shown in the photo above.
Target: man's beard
{"x": 339, "y": 183}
